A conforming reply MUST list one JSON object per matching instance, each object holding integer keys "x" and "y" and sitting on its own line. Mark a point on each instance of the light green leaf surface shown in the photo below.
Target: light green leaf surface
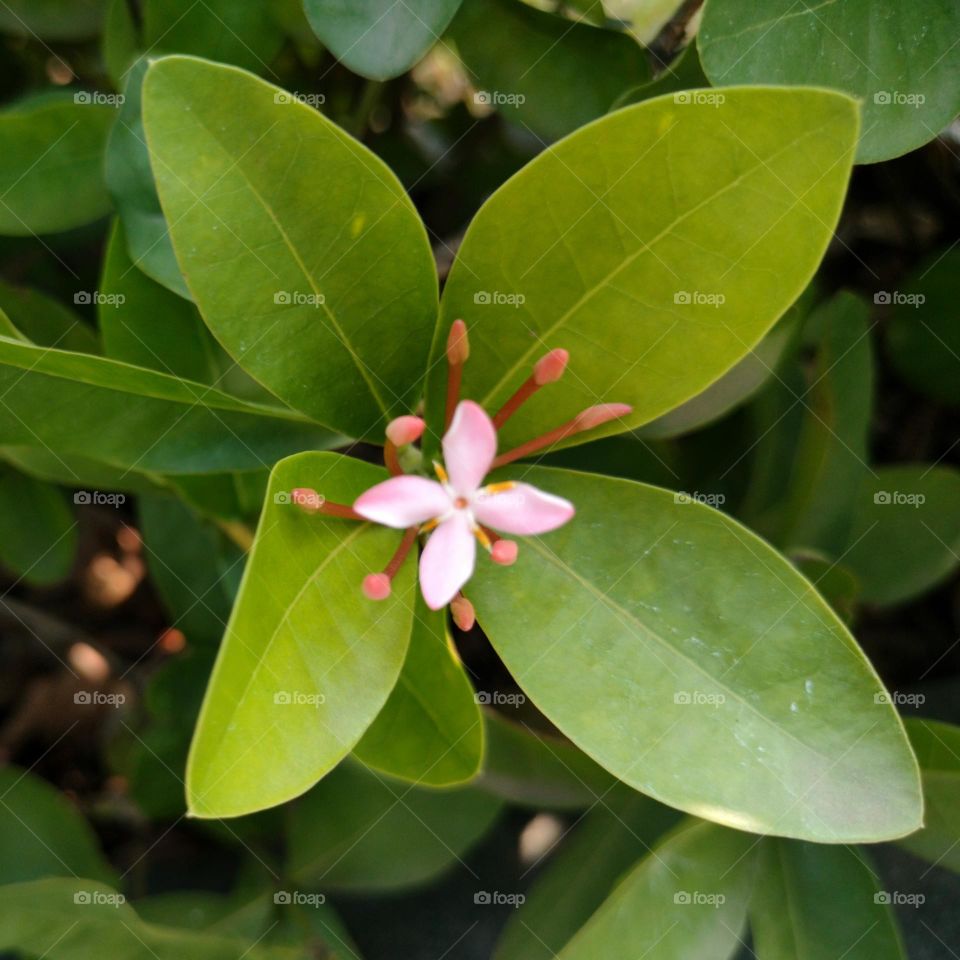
{"x": 430, "y": 730}
{"x": 307, "y": 661}
{"x": 379, "y": 39}
{"x": 820, "y": 902}
{"x": 900, "y": 59}
{"x": 358, "y": 830}
{"x": 635, "y": 282}
{"x": 303, "y": 253}
{"x": 51, "y": 159}
{"x": 698, "y": 666}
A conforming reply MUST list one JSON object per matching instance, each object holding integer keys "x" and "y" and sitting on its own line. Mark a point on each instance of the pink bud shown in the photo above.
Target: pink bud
{"x": 405, "y": 430}
{"x": 504, "y": 552}
{"x": 309, "y": 501}
{"x": 464, "y": 616}
{"x": 458, "y": 345}
{"x": 602, "y": 413}
{"x": 376, "y": 586}
{"x": 550, "y": 368}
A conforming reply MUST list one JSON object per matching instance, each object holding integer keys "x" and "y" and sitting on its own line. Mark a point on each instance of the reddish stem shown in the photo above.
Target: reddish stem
{"x": 390, "y": 459}
{"x": 409, "y": 539}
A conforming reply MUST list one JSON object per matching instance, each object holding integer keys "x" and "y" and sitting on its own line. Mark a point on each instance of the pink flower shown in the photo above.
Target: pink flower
{"x": 458, "y": 508}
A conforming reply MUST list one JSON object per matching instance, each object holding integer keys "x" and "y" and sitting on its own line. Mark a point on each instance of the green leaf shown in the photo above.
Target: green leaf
{"x": 42, "y": 834}
{"x": 379, "y": 39}
{"x": 685, "y": 73}
{"x": 688, "y": 899}
{"x": 576, "y": 881}
{"x": 584, "y": 255}
{"x": 905, "y": 531}
{"x": 51, "y": 19}
{"x": 38, "y": 537}
{"x": 307, "y": 661}
{"x": 75, "y": 471}
{"x": 899, "y": 59}
{"x": 357, "y": 830}
{"x": 837, "y": 584}
{"x": 923, "y": 335}
{"x": 699, "y": 667}
{"x": 131, "y": 184}
{"x": 430, "y": 730}
{"x": 136, "y": 418}
{"x": 331, "y": 308}
{"x": 819, "y": 902}
{"x": 121, "y": 41}
{"x": 540, "y": 70}
{"x": 51, "y": 155}
{"x": 45, "y": 321}
{"x": 938, "y": 749}
{"x": 531, "y": 769}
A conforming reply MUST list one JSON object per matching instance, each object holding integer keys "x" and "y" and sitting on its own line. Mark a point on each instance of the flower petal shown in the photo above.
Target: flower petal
{"x": 403, "y": 501}
{"x": 522, "y": 510}
{"x": 469, "y": 447}
{"x": 446, "y": 563}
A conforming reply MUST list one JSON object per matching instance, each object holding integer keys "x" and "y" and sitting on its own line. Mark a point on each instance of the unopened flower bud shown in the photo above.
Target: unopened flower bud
{"x": 405, "y": 430}
{"x": 550, "y": 367}
{"x": 464, "y": 616}
{"x": 458, "y": 344}
{"x": 504, "y": 552}
{"x": 600, "y": 414}
{"x": 376, "y": 586}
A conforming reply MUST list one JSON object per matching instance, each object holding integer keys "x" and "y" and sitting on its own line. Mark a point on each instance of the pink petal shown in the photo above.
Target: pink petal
{"x": 469, "y": 447}
{"x": 403, "y": 501}
{"x": 522, "y": 510}
{"x": 446, "y": 563}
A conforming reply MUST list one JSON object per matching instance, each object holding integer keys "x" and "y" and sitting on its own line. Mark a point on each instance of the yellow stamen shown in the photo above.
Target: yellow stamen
{"x": 430, "y": 525}
{"x": 483, "y": 538}
{"x": 492, "y": 488}
{"x": 440, "y": 472}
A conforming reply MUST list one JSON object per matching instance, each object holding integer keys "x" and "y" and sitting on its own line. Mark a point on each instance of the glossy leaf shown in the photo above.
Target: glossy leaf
{"x": 38, "y": 536}
{"x": 42, "y": 834}
{"x": 331, "y": 308}
{"x": 51, "y": 155}
{"x": 45, "y": 321}
{"x": 307, "y": 661}
{"x": 905, "y": 531}
{"x": 820, "y": 902}
{"x": 596, "y": 854}
{"x": 578, "y": 254}
{"x": 938, "y": 749}
{"x": 379, "y": 39}
{"x": 131, "y": 417}
{"x": 899, "y": 58}
{"x": 358, "y": 830}
{"x": 430, "y": 730}
{"x": 688, "y": 898}
{"x": 699, "y": 667}
{"x": 540, "y": 70}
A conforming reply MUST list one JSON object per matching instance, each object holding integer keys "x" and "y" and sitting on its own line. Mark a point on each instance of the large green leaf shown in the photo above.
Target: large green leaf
{"x": 379, "y": 39}
{"x": 938, "y": 749}
{"x": 430, "y": 730}
{"x": 586, "y": 255}
{"x": 901, "y": 59}
{"x": 699, "y": 666}
{"x": 576, "y": 881}
{"x": 820, "y": 902}
{"x": 42, "y": 834}
{"x": 904, "y": 531}
{"x": 51, "y": 155}
{"x": 357, "y": 830}
{"x": 540, "y": 69}
{"x": 687, "y": 899}
{"x": 131, "y": 417}
{"x": 307, "y": 661}
{"x": 303, "y": 253}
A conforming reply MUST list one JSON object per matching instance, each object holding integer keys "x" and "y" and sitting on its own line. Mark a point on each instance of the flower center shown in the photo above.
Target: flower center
{"x": 461, "y": 503}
